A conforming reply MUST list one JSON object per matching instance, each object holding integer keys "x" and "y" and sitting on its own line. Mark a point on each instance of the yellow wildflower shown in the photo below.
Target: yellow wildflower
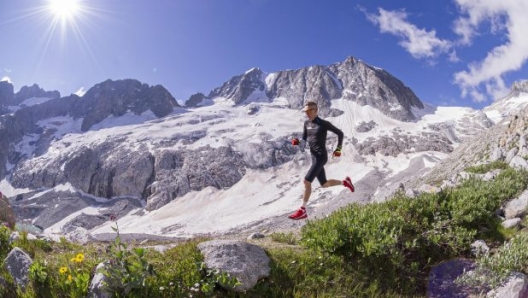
{"x": 63, "y": 270}
{"x": 70, "y": 277}
{"x": 79, "y": 258}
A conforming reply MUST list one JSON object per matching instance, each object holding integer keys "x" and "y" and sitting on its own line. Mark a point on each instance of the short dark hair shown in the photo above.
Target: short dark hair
{"x": 311, "y": 104}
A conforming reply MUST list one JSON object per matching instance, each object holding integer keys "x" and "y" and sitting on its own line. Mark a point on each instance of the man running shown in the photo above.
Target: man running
{"x": 314, "y": 133}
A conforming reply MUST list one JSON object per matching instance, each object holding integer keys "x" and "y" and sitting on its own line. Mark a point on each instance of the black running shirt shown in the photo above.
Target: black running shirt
{"x": 315, "y": 135}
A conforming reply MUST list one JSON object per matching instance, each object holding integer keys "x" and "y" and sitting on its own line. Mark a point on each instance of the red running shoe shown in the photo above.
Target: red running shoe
{"x": 299, "y": 214}
{"x": 348, "y": 183}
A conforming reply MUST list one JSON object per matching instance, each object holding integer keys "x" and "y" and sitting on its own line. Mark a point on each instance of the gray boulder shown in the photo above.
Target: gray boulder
{"x": 17, "y": 264}
{"x": 517, "y": 207}
{"x": 516, "y": 286}
{"x": 497, "y": 154}
{"x": 511, "y": 223}
{"x": 479, "y": 248}
{"x": 511, "y": 154}
{"x": 96, "y": 289}
{"x": 247, "y": 262}
{"x": 519, "y": 163}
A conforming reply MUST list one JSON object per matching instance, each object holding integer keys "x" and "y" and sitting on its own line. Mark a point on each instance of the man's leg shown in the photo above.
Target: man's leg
{"x": 332, "y": 182}
{"x": 307, "y": 192}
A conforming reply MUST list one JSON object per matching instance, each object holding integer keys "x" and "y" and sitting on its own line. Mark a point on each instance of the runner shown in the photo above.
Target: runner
{"x": 314, "y": 133}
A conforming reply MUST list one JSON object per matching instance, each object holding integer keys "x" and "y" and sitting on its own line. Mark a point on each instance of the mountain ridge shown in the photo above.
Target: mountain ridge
{"x": 167, "y": 169}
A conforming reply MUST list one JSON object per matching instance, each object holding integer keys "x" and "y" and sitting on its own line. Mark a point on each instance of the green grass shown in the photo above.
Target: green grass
{"x": 286, "y": 238}
{"x": 377, "y": 250}
{"x": 485, "y": 168}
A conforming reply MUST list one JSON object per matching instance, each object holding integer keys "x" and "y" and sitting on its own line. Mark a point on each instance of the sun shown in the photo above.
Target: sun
{"x": 64, "y": 9}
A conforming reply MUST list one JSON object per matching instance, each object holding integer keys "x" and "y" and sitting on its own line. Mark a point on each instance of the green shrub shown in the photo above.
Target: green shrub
{"x": 301, "y": 273}
{"x": 181, "y": 272}
{"x": 485, "y": 168}
{"x": 7, "y": 215}
{"x": 395, "y": 243}
{"x": 493, "y": 269}
{"x": 5, "y": 246}
{"x": 127, "y": 270}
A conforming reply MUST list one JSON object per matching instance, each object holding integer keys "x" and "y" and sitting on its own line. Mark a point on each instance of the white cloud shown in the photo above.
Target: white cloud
{"x": 7, "y": 79}
{"x": 418, "y": 42}
{"x": 453, "y": 56}
{"x": 504, "y": 15}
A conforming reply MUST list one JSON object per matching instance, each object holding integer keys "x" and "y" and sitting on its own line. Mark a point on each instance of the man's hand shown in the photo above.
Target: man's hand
{"x": 337, "y": 152}
{"x": 295, "y": 141}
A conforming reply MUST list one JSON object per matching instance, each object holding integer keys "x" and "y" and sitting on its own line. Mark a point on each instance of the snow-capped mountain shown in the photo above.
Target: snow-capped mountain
{"x": 351, "y": 79}
{"x": 225, "y": 161}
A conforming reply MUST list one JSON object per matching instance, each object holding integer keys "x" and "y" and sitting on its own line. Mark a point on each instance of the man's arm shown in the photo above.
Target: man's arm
{"x": 337, "y": 131}
{"x": 304, "y": 136}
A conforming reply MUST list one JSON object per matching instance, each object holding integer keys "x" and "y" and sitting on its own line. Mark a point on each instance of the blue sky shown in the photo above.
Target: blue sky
{"x": 453, "y": 52}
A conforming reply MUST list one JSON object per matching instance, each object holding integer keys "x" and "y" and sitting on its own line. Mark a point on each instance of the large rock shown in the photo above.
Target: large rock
{"x": 443, "y": 279}
{"x": 247, "y": 262}
{"x": 516, "y": 286}
{"x": 517, "y": 207}
{"x": 17, "y": 264}
{"x": 97, "y": 285}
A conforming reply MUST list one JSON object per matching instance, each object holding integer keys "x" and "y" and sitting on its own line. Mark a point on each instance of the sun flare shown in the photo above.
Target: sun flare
{"x": 64, "y": 9}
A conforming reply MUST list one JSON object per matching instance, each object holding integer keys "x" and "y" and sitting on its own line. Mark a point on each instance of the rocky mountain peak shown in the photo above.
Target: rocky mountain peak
{"x": 351, "y": 79}
{"x": 196, "y": 100}
{"x": 520, "y": 87}
{"x": 34, "y": 91}
{"x": 369, "y": 85}
{"x": 240, "y": 88}
{"x": 7, "y": 94}
{"x": 121, "y": 96}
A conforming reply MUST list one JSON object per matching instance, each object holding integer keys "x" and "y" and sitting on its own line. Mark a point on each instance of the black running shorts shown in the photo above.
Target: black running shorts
{"x": 317, "y": 168}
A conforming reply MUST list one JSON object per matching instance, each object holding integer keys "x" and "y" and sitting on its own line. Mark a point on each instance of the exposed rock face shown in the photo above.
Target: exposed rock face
{"x": 399, "y": 143}
{"x": 54, "y": 205}
{"x": 195, "y": 100}
{"x": 108, "y": 98}
{"x": 34, "y": 91}
{"x": 315, "y": 83}
{"x": 7, "y": 94}
{"x": 177, "y": 173}
{"x": 119, "y": 97}
{"x": 503, "y": 142}
{"x": 519, "y": 87}
{"x": 372, "y": 86}
{"x": 101, "y": 171}
{"x": 352, "y": 79}
{"x": 239, "y": 88}
{"x": 366, "y": 126}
